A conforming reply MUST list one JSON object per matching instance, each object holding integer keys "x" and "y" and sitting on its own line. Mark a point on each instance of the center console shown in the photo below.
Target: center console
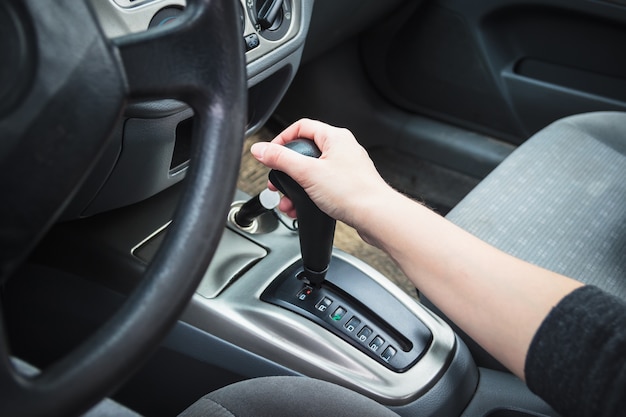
{"x": 356, "y": 329}
{"x": 252, "y": 316}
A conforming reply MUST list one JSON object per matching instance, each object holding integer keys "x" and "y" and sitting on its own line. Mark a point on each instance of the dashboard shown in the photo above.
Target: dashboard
{"x": 150, "y": 148}
{"x": 265, "y": 24}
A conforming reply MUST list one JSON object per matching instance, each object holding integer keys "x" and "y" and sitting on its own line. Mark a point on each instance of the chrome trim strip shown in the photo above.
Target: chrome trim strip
{"x": 148, "y": 238}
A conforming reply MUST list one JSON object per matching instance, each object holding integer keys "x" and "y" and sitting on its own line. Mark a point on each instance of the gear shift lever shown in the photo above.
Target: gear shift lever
{"x": 316, "y": 228}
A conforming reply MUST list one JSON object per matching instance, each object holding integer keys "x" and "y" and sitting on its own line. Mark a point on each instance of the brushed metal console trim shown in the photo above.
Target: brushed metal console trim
{"x": 239, "y": 316}
{"x": 151, "y": 236}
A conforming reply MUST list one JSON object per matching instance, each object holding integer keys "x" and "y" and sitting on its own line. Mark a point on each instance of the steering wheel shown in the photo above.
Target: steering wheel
{"x": 63, "y": 86}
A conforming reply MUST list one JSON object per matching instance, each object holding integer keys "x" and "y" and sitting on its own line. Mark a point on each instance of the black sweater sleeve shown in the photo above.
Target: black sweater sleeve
{"x": 577, "y": 360}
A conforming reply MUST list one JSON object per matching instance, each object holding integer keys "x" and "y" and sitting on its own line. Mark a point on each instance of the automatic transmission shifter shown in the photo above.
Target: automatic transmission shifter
{"x": 316, "y": 228}
{"x": 353, "y": 305}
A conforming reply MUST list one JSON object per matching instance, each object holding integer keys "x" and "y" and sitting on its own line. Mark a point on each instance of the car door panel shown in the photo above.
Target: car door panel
{"x": 505, "y": 68}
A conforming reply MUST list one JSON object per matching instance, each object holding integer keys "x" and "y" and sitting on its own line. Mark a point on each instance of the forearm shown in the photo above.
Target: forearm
{"x": 499, "y": 300}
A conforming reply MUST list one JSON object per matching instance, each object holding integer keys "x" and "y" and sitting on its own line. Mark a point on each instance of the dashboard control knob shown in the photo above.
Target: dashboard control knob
{"x": 268, "y": 12}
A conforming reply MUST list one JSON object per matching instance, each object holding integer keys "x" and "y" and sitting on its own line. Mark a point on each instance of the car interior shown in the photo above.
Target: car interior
{"x": 142, "y": 268}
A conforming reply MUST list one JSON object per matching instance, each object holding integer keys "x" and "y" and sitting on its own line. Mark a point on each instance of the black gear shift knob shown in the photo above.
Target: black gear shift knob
{"x": 316, "y": 228}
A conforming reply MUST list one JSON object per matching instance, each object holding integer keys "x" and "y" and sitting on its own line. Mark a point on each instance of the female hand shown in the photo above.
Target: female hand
{"x": 342, "y": 182}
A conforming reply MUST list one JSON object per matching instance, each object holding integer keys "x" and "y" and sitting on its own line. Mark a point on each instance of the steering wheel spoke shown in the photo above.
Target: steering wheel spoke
{"x": 179, "y": 60}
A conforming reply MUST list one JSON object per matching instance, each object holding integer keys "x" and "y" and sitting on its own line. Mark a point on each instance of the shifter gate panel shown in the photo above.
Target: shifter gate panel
{"x": 353, "y": 307}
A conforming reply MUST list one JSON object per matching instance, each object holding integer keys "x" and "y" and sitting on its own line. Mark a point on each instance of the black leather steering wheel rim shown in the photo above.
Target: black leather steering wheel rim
{"x": 199, "y": 61}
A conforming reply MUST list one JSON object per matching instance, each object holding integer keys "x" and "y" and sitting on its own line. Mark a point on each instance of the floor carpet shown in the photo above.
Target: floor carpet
{"x": 435, "y": 186}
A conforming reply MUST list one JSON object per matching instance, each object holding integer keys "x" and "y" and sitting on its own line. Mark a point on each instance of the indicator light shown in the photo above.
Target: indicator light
{"x": 304, "y": 293}
{"x": 324, "y": 304}
{"x": 338, "y": 314}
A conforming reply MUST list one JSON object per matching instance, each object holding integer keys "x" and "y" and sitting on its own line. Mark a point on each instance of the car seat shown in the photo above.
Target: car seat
{"x": 558, "y": 201}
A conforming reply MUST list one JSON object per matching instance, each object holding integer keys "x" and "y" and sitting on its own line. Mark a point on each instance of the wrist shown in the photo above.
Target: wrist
{"x": 379, "y": 214}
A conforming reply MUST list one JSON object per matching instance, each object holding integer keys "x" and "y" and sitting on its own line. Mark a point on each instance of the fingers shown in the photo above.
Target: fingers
{"x": 287, "y": 207}
{"x": 342, "y": 156}
{"x": 278, "y": 157}
{"x": 315, "y": 130}
{"x": 303, "y": 128}
{"x": 274, "y": 156}
{"x": 283, "y": 159}
{"x": 271, "y": 186}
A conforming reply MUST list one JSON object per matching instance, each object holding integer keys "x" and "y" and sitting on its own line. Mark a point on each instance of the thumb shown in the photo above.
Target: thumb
{"x": 278, "y": 157}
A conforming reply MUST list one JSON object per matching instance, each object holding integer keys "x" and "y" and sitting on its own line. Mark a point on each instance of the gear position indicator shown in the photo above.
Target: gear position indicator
{"x": 323, "y": 304}
{"x": 338, "y": 314}
{"x": 349, "y": 319}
